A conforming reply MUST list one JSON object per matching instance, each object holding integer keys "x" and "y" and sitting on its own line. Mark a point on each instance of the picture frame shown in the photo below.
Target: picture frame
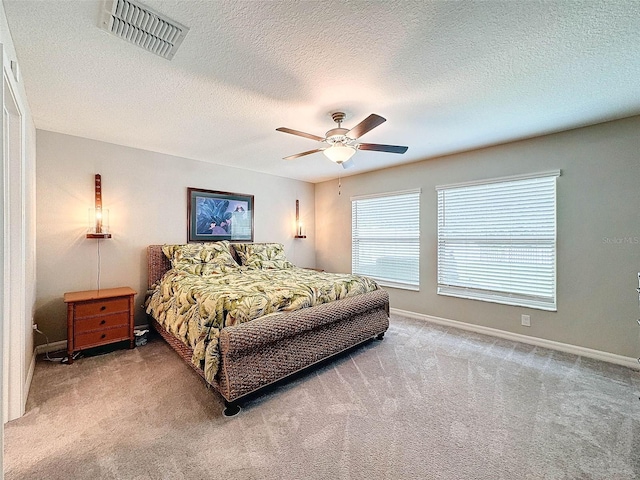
{"x": 214, "y": 216}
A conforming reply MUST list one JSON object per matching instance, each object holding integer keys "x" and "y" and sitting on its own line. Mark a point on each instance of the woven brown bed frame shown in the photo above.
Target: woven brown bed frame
{"x": 261, "y": 352}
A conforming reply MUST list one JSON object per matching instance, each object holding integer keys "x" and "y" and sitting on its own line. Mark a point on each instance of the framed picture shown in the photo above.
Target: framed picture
{"x": 215, "y": 216}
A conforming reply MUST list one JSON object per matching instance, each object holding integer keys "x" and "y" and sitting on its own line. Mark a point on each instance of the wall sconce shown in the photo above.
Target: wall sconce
{"x": 98, "y": 218}
{"x": 300, "y": 232}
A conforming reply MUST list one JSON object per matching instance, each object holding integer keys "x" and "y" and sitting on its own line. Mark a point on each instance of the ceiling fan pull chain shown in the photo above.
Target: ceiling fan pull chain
{"x": 339, "y": 185}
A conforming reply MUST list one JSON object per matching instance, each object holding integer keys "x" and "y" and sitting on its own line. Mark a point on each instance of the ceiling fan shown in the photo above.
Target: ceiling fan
{"x": 341, "y": 144}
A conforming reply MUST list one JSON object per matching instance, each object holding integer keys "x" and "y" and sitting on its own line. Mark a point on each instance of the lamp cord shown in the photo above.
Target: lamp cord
{"x": 98, "y": 264}
{"x": 46, "y": 354}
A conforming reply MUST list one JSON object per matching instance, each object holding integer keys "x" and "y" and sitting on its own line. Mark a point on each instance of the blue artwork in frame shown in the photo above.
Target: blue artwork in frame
{"x": 215, "y": 216}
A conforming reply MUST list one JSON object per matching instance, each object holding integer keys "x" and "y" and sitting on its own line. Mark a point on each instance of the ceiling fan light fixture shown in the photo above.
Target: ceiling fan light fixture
{"x": 339, "y": 152}
{"x": 340, "y": 144}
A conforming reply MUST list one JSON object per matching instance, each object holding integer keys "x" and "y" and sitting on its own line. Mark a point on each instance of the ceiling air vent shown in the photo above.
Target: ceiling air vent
{"x": 144, "y": 27}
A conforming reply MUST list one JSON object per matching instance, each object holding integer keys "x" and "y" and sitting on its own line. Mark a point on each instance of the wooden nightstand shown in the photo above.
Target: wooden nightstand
{"x": 99, "y": 317}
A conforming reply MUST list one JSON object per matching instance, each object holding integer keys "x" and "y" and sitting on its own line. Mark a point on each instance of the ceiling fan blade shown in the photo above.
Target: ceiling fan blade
{"x": 300, "y": 134}
{"x": 297, "y": 155}
{"x": 382, "y": 148}
{"x": 348, "y": 164}
{"x": 368, "y": 124}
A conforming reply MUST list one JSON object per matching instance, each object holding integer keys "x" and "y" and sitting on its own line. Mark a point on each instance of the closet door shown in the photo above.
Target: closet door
{"x": 16, "y": 327}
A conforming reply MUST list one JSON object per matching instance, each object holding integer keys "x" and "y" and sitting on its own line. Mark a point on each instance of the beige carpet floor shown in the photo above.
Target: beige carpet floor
{"x": 428, "y": 402}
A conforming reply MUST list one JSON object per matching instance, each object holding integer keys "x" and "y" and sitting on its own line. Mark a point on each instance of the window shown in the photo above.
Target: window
{"x": 497, "y": 240}
{"x": 385, "y": 238}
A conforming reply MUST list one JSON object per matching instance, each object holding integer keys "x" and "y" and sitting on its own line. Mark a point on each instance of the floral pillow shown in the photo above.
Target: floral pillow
{"x": 262, "y": 255}
{"x": 217, "y": 268}
{"x": 201, "y": 258}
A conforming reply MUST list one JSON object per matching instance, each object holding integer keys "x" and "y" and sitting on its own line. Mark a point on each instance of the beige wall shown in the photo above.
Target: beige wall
{"x": 598, "y": 199}
{"x": 146, "y": 194}
{"x": 598, "y": 207}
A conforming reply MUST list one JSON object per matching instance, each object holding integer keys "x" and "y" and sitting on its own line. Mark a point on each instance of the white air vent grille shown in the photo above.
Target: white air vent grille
{"x": 141, "y": 26}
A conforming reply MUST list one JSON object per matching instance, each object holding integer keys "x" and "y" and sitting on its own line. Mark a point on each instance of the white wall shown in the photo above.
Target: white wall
{"x": 598, "y": 232}
{"x": 146, "y": 195}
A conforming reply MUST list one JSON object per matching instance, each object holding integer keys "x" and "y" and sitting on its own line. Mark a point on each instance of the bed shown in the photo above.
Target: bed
{"x": 238, "y": 355}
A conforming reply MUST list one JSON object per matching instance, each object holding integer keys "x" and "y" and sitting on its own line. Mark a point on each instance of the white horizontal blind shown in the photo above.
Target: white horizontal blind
{"x": 497, "y": 241}
{"x": 385, "y": 236}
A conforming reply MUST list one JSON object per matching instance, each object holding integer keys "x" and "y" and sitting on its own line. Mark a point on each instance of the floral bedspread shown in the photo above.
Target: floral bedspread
{"x": 195, "y": 307}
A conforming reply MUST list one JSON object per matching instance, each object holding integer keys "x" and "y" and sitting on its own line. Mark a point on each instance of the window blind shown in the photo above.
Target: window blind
{"x": 497, "y": 240}
{"x": 385, "y": 238}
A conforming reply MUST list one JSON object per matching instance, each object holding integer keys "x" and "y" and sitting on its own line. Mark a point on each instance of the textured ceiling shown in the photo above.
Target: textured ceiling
{"x": 448, "y": 76}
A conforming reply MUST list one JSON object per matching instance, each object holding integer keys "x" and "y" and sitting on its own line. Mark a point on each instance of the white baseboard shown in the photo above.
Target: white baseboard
{"x": 517, "y": 337}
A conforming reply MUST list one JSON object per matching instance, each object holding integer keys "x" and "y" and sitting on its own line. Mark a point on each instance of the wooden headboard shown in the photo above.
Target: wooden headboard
{"x": 157, "y": 263}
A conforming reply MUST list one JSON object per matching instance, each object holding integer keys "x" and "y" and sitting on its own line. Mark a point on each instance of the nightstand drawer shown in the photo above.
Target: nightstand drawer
{"x": 101, "y": 307}
{"x": 101, "y": 337}
{"x": 101, "y": 322}
{"x": 99, "y": 317}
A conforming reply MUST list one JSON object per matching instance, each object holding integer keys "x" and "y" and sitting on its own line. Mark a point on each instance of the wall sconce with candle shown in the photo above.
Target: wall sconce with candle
{"x": 98, "y": 217}
{"x": 300, "y": 231}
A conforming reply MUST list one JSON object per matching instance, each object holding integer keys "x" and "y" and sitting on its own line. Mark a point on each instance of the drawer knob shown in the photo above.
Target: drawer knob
{"x": 103, "y": 335}
{"x": 103, "y": 322}
{"x": 103, "y": 307}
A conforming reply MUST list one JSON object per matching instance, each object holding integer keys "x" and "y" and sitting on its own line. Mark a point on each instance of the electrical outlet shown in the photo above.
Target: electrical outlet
{"x": 526, "y": 320}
